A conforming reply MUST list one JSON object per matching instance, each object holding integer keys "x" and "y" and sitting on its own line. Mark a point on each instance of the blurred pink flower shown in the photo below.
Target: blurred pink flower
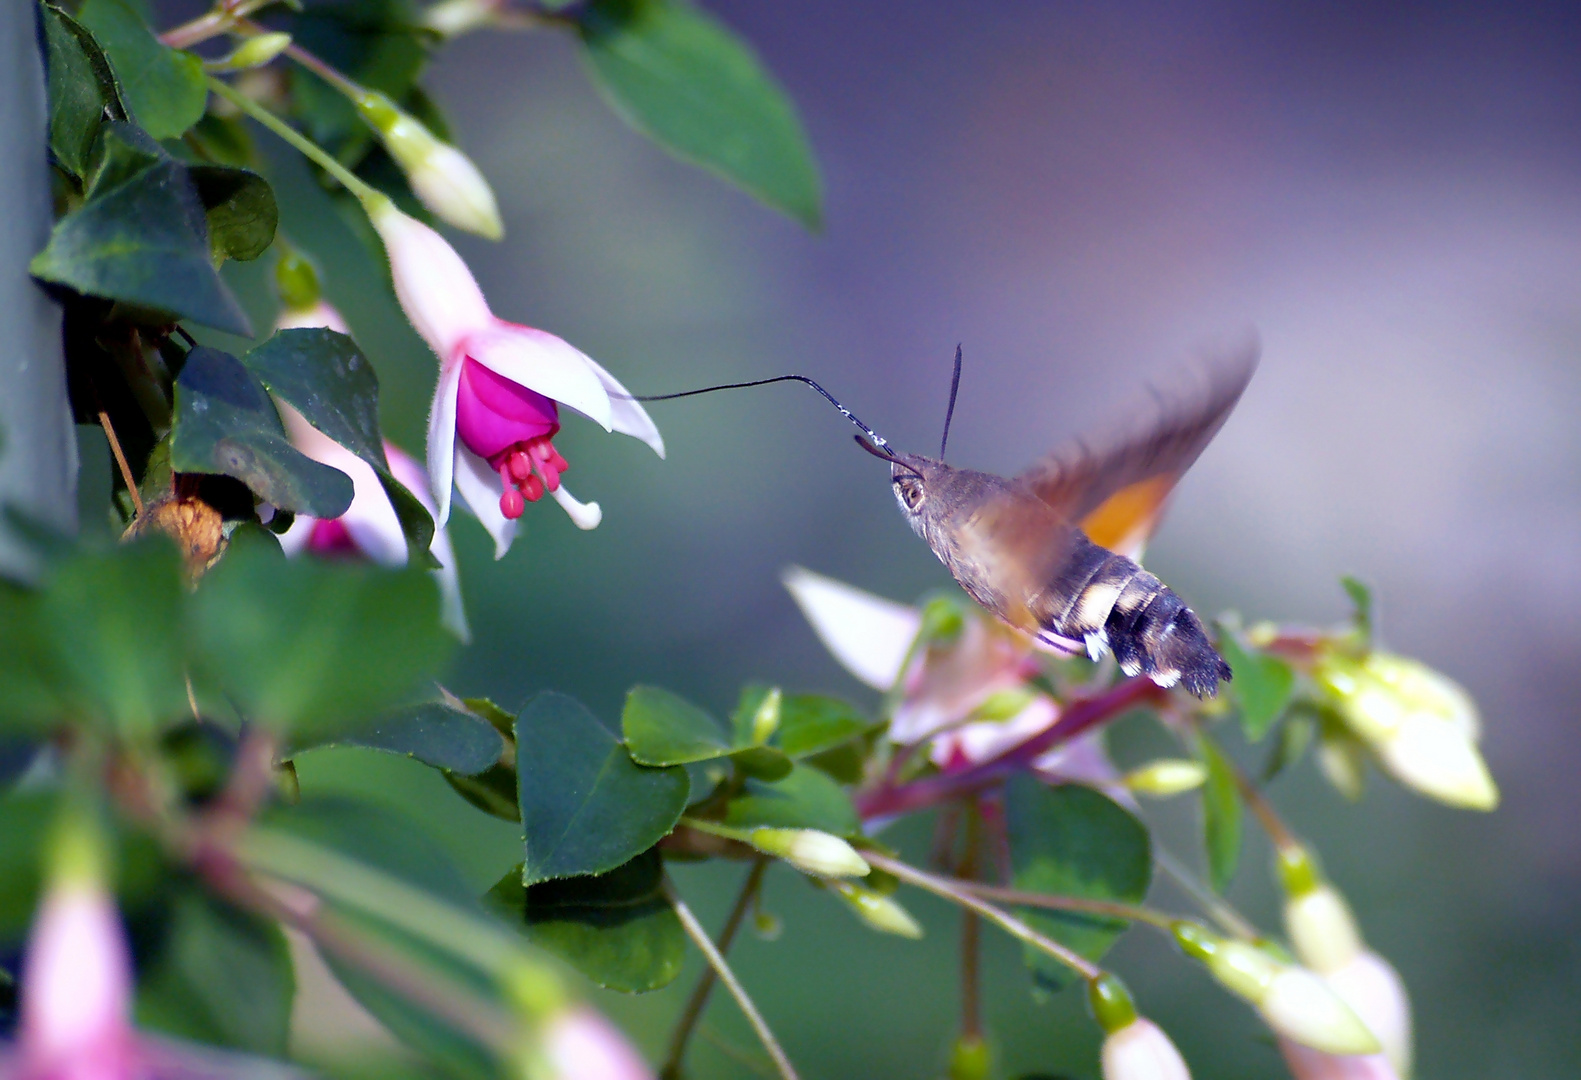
{"x": 369, "y": 528}
{"x": 985, "y": 668}
{"x": 1308, "y": 1064}
{"x": 496, "y": 405}
{"x": 581, "y": 1045}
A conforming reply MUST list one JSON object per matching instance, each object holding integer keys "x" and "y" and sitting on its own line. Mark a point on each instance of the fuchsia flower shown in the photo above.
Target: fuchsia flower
{"x": 581, "y": 1045}
{"x": 496, "y": 408}
{"x": 967, "y": 698}
{"x": 369, "y": 528}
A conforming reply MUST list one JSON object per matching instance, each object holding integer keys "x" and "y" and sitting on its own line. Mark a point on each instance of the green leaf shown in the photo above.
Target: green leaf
{"x": 1361, "y": 602}
{"x": 26, "y": 821}
{"x": 325, "y": 377}
{"x": 143, "y": 241}
{"x": 81, "y": 87}
{"x": 1295, "y": 735}
{"x": 222, "y": 976}
{"x": 31, "y": 678}
{"x": 1221, "y": 816}
{"x": 1262, "y": 685}
{"x": 683, "y": 79}
{"x": 115, "y": 621}
{"x": 664, "y": 729}
{"x": 433, "y": 733}
{"x": 240, "y": 208}
{"x": 312, "y": 648}
{"x": 811, "y": 724}
{"x": 586, "y": 807}
{"x": 226, "y": 424}
{"x": 616, "y": 928}
{"x": 762, "y": 762}
{"x": 164, "y": 87}
{"x": 804, "y": 799}
{"x": 1072, "y": 841}
{"x": 123, "y": 151}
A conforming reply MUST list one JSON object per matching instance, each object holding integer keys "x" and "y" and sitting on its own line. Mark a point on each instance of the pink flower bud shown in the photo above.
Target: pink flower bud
{"x": 1141, "y": 1051}
{"x": 581, "y": 1045}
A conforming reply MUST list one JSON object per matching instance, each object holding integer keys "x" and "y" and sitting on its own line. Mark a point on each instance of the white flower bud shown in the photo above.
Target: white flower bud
{"x": 1375, "y": 991}
{"x": 1166, "y": 777}
{"x": 254, "y": 52}
{"x": 811, "y": 851}
{"x": 1308, "y": 1064}
{"x": 1422, "y": 726}
{"x": 442, "y": 177}
{"x": 1141, "y": 1051}
{"x": 882, "y": 913}
{"x": 1322, "y": 929}
{"x": 1299, "y": 1004}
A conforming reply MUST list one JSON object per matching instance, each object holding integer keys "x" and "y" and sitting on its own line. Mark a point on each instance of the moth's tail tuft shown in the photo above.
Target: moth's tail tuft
{"x": 1165, "y": 641}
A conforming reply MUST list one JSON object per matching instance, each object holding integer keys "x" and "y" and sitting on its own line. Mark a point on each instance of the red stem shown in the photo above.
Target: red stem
{"x": 1077, "y": 717}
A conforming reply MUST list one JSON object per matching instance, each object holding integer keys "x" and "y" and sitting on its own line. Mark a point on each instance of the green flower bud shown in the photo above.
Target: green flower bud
{"x": 296, "y": 280}
{"x": 1111, "y": 1002}
{"x": 970, "y": 1058}
{"x": 883, "y": 913}
{"x": 254, "y": 52}
{"x": 766, "y": 718}
{"x": 810, "y": 851}
{"x": 1166, "y": 777}
{"x": 1298, "y": 870}
{"x": 442, "y": 177}
{"x": 1422, "y": 725}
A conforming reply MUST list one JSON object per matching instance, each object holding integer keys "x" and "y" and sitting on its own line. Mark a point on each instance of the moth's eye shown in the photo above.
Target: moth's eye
{"x": 910, "y": 492}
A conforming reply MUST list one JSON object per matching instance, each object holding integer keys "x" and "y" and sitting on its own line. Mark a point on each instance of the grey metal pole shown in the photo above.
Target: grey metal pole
{"x": 38, "y": 441}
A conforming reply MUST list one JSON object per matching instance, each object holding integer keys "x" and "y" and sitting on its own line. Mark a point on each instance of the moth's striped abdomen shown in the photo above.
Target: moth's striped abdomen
{"x": 1104, "y": 600}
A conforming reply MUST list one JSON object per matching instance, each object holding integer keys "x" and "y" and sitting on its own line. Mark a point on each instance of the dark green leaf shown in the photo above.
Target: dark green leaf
{"x": 586, "y": 807}
{"x": 223, "y": 140}
{"x": 81, "y": 87}
{"x": 683, "y": 79}
{"x": 762, "y": 762}
{"x": 25, "y": 823}
{"x": 164, "y": 87}
{"x": 326, "y": 378}
{"x": 115, "y": 620}
{"x": 240, "y": 208}
{"x": 123, "y": 151}
{"x": 845, "y": 762}
{"x": 804, "y": 799}
{"x": 493, "y": 791}
{"x": 222, "y": 977}
{"x": 433, "y": 733}
{"x": 664, "y": 729}
{"x": 1295, "y": 735}
{"x": 1261, "y": 688}
{"x": 143, "y": 241}
{"x": 312, "y": 648}
{"x": 1221, "y": 816}
{"x": 1072, "y": 841}
{"x": 32, "y": 681}
{"x": 811, "y": 724}
{"x": 226, "y": 424}
{"x": 615, "y": 928}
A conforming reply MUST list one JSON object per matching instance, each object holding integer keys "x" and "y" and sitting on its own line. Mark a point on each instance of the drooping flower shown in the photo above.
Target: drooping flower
{"x": 1134, "y": 1048}
{"x": 369, "y": 528}
{"x": 581, "y": 1045}
{"x": 964, "y": 693}
{"x": 497, "y": 404}
{"x": 1421, "y": 725}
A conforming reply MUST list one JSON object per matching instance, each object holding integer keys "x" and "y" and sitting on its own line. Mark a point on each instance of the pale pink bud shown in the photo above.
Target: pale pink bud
{"x": 1308, "y": 1064}
{"x": 581, "y": 1045}
{"x": 1141, "y": 1051}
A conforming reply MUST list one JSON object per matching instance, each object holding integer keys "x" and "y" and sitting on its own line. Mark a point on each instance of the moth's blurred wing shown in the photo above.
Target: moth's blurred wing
{"x": 1115, "y": 485}
{"x": 1019, "y": 543}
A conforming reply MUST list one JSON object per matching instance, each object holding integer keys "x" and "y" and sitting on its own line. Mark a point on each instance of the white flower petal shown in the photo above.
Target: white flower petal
{"x": 581, "y": 1045}
{"x": 1322, "y": 929}
{"x": 453, "y": 612}
{"x": 542, "y": 362}
{"x": 1371, "y": 987}
{"x": 370, "y": 519}
{"x": 481, "y": 488}
{"x": 626, "y": 416}
{"x": 1308, "y": 1064}
{"x": 869, "y": 635}
{"x": 440, "y": 296}
{"x": 1302, "y": 1006}
{"x": 1437, "y": 757}
{"x": 442, "y": 446}
{"x": 583, "y": 515}
{"x": 447, "y": 182}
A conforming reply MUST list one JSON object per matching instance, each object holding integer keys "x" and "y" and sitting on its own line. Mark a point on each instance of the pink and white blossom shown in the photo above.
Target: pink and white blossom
{"x": 496, "y": 407}
{"x": 1141, "y": 1051}
{"x": 581, "y": 1045}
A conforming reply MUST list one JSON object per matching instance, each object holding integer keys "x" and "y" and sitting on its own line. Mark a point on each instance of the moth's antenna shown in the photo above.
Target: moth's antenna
{"x": 949, "y": 413}
{"x": 878, "y": 440}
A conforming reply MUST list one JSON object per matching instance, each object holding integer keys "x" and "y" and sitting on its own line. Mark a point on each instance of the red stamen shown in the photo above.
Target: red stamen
{"x": 520, "y": 466}
{"x": 512, "y": 504}
{"x": 532, "y": 489}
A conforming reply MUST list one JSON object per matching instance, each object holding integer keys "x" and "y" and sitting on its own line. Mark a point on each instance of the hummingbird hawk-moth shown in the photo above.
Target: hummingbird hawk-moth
{"x": 1052, "y": 551}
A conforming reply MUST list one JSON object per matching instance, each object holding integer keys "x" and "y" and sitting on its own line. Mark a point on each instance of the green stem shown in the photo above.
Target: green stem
{"x": 716, "y": 960}
{"x": 210, "y": 24}
{"x": 315, "y": 153}
{"x": 1111, "y": 908}
{"x": 1230, "y": 920}
{"x": 953, "y": 892}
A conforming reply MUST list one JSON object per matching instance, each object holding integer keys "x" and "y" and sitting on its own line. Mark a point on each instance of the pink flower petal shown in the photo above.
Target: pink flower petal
{"x": 867, "y": 634}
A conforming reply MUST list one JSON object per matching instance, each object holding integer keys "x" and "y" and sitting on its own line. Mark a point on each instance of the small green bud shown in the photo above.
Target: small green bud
{"x": 883, "y": 913}
{"x": 78, "y": 855}
{"x": 1243, "y": 969}
{"x": 1004, "y": 705}
{"x": 1195, "y": 940}
{"x": 943, "y": 622}
{"x": 767, "y": 925}
{"x": 534, "y": 989}
{"x": 254, "y": 52}
{"x": 1111, "y": 1002}
{"x": 1166, "y": 777}
{"x": 766, "y": 718}
{"x": 1298, "y": 870}
{"x": 296, "y": 280}
{"x": 811, "y": 851}
{"x": 970, "y": 1058}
